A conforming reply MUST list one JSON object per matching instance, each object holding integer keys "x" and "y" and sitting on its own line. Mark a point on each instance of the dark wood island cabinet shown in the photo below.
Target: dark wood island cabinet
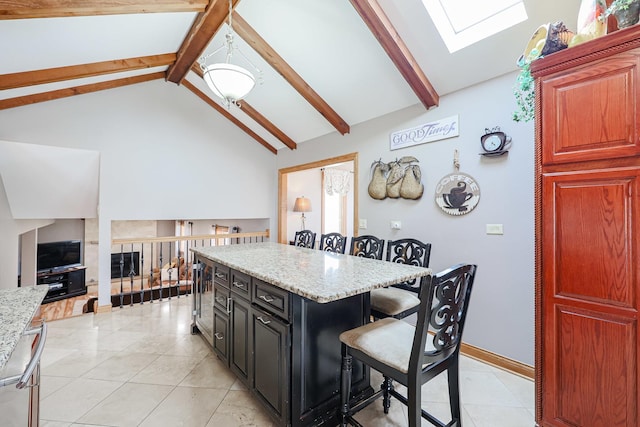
{"x": 275, "y": 313}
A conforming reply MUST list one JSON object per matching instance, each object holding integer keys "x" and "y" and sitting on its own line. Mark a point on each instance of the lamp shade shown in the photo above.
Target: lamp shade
{"x": 302, "y": 204}
{"x": 229, "y": 81}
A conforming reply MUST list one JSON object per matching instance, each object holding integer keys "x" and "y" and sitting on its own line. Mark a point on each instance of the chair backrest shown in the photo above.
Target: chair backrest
{"x": 412, "y": 252}
{"x": 305, "y": 239}
{"x": 367, "y": 246}
{"x": 333, "y": 242}
{"x": 442, "y": 314}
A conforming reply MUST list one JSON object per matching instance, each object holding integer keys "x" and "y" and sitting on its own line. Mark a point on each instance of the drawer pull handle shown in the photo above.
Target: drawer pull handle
{"x": 220, "y": 275}
{"x": 267, "y": 298}
{"x": 218, "y": 336}
{"x": 264, "y": 322}
{"x": 229, "y": 305}
{"x": 238, "y": 285}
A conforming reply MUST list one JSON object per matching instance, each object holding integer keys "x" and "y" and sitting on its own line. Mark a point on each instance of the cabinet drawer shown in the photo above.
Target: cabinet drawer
{"x": 274, "y": 300}
{"x": 220, "y": 335}
{"x": 241, "y": 284}
{"x": 221, "y": 298}
{"x": 221, "y": 274}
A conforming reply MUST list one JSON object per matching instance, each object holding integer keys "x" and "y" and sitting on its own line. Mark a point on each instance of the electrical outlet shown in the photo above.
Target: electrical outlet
{"x": 396, "y": 225}
{"x": 495, "y": 229}
{"x": 362, "y": 224}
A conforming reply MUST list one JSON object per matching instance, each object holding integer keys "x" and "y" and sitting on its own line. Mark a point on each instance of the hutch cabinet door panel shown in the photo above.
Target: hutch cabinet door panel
{"x": 592, "y": 381}
{"x": 589, "y": 227}
{"x": 590, "y": 298}
{"x": 590, "y": 112}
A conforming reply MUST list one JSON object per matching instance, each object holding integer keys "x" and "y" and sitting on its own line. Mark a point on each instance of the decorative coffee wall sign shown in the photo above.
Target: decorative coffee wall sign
{"x": 428, "y": 132}
{"x": 457, "y": 193}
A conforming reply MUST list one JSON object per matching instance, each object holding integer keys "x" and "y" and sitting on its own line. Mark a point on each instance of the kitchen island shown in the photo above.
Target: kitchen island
{"x": 274, "y": 312}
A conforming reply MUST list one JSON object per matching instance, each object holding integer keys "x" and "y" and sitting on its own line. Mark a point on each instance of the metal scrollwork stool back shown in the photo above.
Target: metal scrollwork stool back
{"x": 305, "y": 239}
{"x": 367, "y": 246}
{"x": 333, "y": 242}
{"x": 401, "y": 300}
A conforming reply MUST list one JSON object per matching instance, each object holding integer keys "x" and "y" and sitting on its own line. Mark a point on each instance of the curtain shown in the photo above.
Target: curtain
{"x": 337, "y": 181}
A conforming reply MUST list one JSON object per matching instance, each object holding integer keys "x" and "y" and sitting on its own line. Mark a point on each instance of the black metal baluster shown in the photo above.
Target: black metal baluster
{"x": 151, "y": 279}
{"x": 121, "y": 276}
{"x": 142, "y": 274}
{"x": 161, "y": 265}
{"x": 132, "y": 273}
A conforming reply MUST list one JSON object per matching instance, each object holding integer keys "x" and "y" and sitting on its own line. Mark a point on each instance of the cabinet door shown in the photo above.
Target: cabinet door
{"x": 271, "y": 361}
{"x": 240, "y": 351}
{"x": 221, "y": 335}
{"x": 590, "y": 298}
{"x": 75, "y": 282}
{"x": 591, "y": 112}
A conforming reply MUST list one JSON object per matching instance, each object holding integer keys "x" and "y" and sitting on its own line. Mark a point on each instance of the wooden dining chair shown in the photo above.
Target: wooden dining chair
{"x": 413, "y": 355}
{"x": 333, "y": 242}
{"x": 367, "y": 246}
{"x": 305, "y": 239}
{"x": 401, "y": 300}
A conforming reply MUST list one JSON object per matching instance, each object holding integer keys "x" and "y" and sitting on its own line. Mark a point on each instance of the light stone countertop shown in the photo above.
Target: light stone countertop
{"x": 17, "y": 308}
{"x": 317, "y": 275}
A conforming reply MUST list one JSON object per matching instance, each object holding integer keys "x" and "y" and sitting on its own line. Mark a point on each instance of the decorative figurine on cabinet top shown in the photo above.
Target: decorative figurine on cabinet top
{"x": 495, "y": 142}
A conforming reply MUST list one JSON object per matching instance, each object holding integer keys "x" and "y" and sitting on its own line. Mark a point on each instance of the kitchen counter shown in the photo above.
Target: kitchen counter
{"x": 317, "y": 275}
{"x": 17, "y": 308}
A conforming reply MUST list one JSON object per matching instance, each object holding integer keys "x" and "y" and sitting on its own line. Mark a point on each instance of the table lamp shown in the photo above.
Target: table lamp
{"x": 303, "y": 205}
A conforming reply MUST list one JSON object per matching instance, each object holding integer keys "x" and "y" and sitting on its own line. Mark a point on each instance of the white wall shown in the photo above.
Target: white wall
{"x": 307, "y": 183}
{"x": 164, "y": 154}
{"x": 501, "y": 317}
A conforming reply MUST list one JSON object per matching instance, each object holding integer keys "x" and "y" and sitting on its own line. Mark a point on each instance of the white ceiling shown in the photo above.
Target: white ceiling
{"x": 325, "y": 41}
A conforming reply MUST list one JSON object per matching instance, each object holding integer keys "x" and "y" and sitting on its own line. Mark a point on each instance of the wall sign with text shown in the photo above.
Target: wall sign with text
{"x": 428, "y": 132}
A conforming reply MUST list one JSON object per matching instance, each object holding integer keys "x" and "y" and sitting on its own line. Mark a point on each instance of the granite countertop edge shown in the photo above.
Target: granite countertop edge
{"x": 17, "y": 308}
{"x": 316, "y": 292}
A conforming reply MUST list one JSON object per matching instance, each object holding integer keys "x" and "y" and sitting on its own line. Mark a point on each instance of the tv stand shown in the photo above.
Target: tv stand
{"x": 65, "y": 283}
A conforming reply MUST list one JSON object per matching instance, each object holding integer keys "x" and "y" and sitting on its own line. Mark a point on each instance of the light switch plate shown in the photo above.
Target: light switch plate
{"x": 495, "y": 229}
{"x": 396, "y": 225}
{"x": 362, "y": 224}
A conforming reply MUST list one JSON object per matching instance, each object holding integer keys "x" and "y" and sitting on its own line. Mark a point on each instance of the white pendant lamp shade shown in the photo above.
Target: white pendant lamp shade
{"x": 229, "y": 81}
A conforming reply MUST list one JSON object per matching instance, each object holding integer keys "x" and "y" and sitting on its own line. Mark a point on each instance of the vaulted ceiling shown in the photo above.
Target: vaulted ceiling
{"x": 326, "y": 64}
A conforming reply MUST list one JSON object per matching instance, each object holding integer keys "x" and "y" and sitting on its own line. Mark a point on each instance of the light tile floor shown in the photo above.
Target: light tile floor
{"x": 140, "y": 366}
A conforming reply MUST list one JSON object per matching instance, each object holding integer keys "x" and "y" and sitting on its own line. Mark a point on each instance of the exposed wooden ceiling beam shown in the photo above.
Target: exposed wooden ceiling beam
{"x": 382, "y": 28}
{"x": 200, "y": 35}
{"x": 78, "y": 90}
{"x": 23, "y": 9}
{"x": 50, "y": 75}
{"x": 219, "y": 109}
{"x": 258, "y": 118}
{"x": 249, "y": 35}
{"x": 265, "y": 123}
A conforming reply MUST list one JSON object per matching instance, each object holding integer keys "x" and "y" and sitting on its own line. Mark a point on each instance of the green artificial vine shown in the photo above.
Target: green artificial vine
{"x": 524, "y": 91}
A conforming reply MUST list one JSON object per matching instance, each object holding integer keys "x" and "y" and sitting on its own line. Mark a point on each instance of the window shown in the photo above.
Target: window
{"x": 464, "y": 22}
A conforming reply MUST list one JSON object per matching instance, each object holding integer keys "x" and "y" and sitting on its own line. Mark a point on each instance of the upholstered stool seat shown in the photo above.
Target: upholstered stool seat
{"x": 388, "y": 340}
{"x": 393, "y": 301}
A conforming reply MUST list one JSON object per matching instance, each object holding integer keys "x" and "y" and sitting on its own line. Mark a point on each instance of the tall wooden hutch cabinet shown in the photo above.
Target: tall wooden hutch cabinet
{"x": 588, "y": 233}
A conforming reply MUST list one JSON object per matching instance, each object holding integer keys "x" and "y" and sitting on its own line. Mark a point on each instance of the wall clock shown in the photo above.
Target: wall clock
{"x": 495, "y": 142}
{"x": 457, "y": 193}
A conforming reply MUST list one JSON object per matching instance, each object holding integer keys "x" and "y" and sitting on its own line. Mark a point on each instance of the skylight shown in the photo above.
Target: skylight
{"x": 464, "y": 22}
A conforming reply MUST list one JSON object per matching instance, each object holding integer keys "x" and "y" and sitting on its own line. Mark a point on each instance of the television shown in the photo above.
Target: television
{"x": 59, "y": 255}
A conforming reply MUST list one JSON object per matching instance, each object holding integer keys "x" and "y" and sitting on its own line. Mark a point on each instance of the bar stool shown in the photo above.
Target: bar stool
{"x": 367, "y": 246}
{"x": 401, "y": 300}
{"x": 413, "y": 355}
{"x": 305, "y": 239}
{"x": 333, "y": 242}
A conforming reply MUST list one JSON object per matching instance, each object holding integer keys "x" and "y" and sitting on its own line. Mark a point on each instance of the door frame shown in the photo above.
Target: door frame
{"x": 282, "y": 189}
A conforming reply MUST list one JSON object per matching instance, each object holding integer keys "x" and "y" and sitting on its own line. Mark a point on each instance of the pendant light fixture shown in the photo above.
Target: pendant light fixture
{"x": 227, "y": 81}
